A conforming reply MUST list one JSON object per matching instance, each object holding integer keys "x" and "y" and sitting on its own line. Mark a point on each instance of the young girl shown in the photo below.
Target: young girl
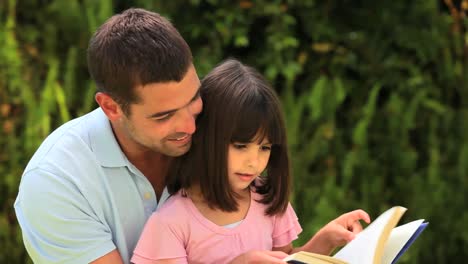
{"x": 230, "y": 191}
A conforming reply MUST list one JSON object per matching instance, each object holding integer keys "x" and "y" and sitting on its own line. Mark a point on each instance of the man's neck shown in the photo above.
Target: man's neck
{"x": 155, "y": 168}
{"x": 152, "y": 164}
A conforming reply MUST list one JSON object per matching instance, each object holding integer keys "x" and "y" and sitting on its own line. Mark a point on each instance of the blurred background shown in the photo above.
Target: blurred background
{"x": 375, "y": 94}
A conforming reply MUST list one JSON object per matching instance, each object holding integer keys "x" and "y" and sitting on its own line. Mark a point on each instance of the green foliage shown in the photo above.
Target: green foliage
{"x": 375, "y": 94}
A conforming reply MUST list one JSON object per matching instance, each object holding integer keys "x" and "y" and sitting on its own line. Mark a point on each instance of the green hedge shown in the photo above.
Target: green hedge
{"x": 375, "y": 95}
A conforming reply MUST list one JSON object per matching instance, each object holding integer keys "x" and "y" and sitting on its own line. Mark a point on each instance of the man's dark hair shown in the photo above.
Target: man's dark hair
{"x": 134, "y": 48}
{"x": 238, "y": 106}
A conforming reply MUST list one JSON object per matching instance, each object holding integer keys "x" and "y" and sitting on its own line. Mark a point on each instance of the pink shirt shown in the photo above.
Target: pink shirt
{"x": 178, "y": 230}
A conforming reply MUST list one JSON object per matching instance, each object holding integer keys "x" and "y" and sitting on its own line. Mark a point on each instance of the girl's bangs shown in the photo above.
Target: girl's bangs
{"x": 256, "y": 121}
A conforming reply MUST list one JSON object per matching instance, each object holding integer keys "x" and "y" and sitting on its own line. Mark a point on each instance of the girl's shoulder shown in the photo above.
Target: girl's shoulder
{"x": 175, "y": 204}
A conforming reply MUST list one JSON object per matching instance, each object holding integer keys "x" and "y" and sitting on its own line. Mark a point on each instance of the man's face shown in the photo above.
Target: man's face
{"x": 164, "y": 119}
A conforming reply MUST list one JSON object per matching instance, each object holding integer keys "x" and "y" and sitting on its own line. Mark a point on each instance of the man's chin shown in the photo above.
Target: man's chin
{"x": 178, "y": 151}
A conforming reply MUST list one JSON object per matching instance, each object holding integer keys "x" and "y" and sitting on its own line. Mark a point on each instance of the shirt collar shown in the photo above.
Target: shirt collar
{"x": 103, "y": 141}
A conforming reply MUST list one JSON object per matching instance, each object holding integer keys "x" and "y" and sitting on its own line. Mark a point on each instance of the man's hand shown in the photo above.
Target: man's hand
{"x": 257, "y": 256}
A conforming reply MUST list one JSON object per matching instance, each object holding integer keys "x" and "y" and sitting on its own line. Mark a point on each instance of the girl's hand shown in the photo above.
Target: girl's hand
{"x": 343, "y": 229}
{"x": 336, "y": 233}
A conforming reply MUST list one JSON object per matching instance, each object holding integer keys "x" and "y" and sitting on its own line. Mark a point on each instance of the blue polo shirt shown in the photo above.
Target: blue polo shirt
{"x": 79, "y": 196}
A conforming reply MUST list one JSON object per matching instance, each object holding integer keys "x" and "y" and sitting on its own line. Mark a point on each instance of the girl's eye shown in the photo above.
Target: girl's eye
{"x": 266, "y": 148}
{"x": 239, "y": 145}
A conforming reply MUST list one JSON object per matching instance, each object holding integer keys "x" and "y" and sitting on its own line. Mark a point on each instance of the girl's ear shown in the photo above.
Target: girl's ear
{"x": 110, "y": 107}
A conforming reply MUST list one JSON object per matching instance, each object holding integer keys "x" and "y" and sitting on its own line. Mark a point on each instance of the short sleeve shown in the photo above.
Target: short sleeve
{"x": 162, "y": 238}
{"x": 286, "y": 228}
{"x": 58, "y": 224}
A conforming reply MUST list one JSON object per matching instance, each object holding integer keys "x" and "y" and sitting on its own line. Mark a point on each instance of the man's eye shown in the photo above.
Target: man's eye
{"x": 163, "y": 118}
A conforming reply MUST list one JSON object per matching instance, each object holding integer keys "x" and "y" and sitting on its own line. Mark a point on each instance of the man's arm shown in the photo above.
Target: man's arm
{"x": 57, "y": 221}
{"x": 112, "y": 257}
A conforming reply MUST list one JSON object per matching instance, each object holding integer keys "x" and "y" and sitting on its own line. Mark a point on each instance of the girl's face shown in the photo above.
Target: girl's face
{"x": 246, "y": 161}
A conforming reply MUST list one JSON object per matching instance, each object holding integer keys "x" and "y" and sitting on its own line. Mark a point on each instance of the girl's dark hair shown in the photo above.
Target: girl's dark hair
{"x": 134, "y": 48}
{"x": 238, "y": 103}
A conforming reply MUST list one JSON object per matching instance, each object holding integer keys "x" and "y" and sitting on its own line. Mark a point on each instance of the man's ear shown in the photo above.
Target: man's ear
{"x": 110, "y": 107}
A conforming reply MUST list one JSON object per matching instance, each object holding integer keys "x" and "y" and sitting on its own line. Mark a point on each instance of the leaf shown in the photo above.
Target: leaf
{"x": 316, "y": 98}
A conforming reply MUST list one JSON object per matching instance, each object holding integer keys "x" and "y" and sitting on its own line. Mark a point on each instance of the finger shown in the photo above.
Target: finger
{"x": 359, "y": 214}
{"x": 356, "y": 227}
{"x": 343, "y": 235}
{"x": 350, "y": 236}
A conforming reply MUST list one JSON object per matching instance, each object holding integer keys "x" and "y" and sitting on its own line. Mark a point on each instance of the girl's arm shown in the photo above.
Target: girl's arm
{"x": 313, "y": 245}
{"x": 336, "y": 233}
{"x": 286, "y": 249}
{"x": 260, "y": 256}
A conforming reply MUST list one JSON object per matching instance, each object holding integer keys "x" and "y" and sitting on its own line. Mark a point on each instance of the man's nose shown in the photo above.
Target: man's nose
{"x": 187, "y": 123}
{"x": 190, "y": 113}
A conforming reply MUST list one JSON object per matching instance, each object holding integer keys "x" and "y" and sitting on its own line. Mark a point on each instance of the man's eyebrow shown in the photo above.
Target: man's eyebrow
{"x": 197, "y": 94}
{"x": 159, "y": 114}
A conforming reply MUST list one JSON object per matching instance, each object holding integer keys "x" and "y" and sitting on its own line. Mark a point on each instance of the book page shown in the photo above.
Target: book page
{"x": 363, "y": 248}
{"x": 398, "y": 239}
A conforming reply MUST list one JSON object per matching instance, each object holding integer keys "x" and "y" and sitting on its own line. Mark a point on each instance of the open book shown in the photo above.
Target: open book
{"x": 379, "y": 243}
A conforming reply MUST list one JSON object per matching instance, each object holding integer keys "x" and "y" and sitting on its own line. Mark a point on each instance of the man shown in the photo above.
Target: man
{"x": 90, "y": 187}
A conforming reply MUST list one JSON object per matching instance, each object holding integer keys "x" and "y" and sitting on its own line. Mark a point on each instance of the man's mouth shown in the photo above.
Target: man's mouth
{"x": 181, "y": 139}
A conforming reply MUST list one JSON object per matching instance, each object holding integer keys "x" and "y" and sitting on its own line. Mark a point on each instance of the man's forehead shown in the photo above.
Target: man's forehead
{"x": 169, "y": 95}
